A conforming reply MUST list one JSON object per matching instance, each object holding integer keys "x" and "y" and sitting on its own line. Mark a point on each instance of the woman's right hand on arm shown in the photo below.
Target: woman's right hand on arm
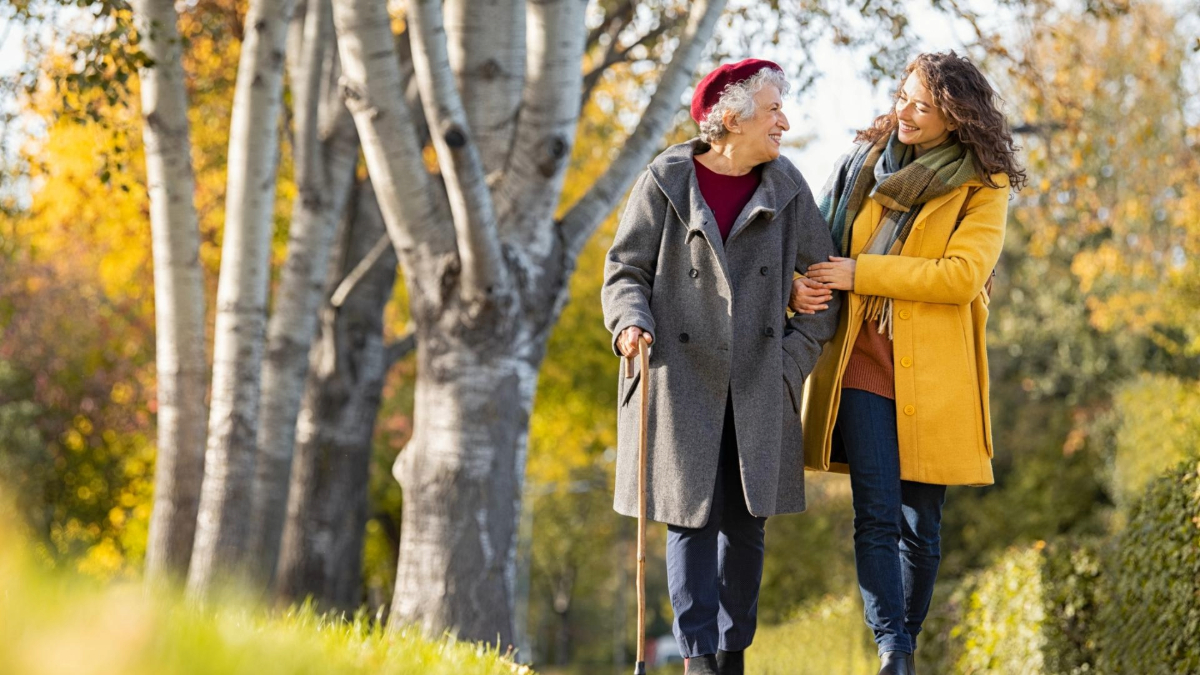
{"x": 627, "y": 341}
{"x": 808, "y": 296}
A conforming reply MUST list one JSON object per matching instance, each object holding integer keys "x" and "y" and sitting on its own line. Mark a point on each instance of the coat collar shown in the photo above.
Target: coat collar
{"x": 675, "y": 175}
{"x": 872, "y": 212}
{"x": 934, "y": 204}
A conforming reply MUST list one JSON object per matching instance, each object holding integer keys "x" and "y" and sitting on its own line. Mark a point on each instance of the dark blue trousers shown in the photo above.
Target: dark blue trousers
{"x": 714, "y": 572}
{"x": 897, "y": 523}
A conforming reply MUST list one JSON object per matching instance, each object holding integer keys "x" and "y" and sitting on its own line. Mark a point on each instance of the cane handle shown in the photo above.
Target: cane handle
{"x": 642, "y": 342}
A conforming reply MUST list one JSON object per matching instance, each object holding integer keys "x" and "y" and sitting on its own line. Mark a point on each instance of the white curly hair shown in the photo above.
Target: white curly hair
{"x": 738, "y": 98}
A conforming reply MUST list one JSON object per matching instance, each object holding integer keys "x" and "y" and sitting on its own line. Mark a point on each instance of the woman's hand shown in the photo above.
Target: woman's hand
{"x": 837, "y": 274}
{"x": 808, "y": 296}
{"x": 627, "y": 341}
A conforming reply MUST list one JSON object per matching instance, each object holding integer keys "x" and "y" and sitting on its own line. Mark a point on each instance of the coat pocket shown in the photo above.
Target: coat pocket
{"x": 790, "y": 390}
{"x": 629, "y": 385}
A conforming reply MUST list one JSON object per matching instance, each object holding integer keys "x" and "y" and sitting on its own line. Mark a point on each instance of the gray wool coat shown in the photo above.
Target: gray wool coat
{"x": 717, "y": 314}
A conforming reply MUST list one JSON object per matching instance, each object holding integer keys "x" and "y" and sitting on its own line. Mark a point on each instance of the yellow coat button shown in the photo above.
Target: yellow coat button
{"x": 904, "y": 314}
{"x": 906, "y": 362}
{"x": 910, "y": 410}
{"x": 921, "y": 225}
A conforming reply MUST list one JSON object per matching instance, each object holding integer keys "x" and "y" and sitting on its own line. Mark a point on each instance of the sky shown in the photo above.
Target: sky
{"x": 842, "y": 100}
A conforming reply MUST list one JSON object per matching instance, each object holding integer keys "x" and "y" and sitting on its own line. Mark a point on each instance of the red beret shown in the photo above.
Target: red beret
{"x": 709, "y": 91}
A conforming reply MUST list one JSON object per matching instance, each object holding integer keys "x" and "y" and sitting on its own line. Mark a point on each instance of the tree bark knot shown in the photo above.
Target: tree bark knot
{"x": 491, "y": 69}
{"x": 355, "y": 96}
{"x": 455, "y": 137}
{"x": 451, "y": 319}
{"x": 554, "y": 149}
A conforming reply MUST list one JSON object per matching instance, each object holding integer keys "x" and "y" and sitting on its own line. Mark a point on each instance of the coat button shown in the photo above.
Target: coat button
{"x": 910, "y": 410}
{"x": 904, "y": 314}
{"x": 693, "y": 273}
{"x": 683, "y": 337}
{"x": 762, "y": 271}
{"x": 769, "y": 332}
{"x": 921, "y": 225}
{"x": 906, "y": 362}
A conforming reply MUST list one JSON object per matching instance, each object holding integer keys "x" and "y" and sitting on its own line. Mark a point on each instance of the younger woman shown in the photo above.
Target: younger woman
{"x": 899, "y": 397}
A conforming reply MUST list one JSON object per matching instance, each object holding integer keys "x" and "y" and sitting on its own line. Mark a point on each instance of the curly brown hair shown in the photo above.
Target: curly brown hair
{"x": 964, "y": 96}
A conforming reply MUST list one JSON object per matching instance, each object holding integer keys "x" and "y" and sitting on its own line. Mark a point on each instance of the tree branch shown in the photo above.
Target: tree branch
{"x": 373, "y": 88}
{"x": 355, "y": 277}
{"x": 486, "y": 45}
{"x": 531, "y": 184}
{"x": 614, "y": 54}
{"x": 639, "y": 149}
{"x": 620, "y": 16}
{"x": 394, "y": 351}
{"x": 483, "y": 271}
{"x": 308, "y": 39}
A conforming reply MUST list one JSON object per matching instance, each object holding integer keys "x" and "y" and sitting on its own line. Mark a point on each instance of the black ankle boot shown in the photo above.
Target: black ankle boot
{"x": 731, "y": 663}
{"x": 896, "y": 663}
{"x": 705, "y": 664}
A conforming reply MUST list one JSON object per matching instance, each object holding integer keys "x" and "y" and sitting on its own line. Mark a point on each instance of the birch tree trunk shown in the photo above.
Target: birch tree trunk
{"x": 485, "y": 296}
{"x": 322, "y": 547}
{"x": 178, "y": 294}
{"x": 221, "y": 527}
{"x": 326, "y": 153}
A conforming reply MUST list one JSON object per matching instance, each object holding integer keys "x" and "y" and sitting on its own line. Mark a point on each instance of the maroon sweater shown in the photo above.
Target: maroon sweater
{"x": 726, "y": 195}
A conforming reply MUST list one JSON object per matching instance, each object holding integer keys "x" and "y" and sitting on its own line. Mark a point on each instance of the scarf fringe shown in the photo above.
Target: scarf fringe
{"x": 880, "y": 309}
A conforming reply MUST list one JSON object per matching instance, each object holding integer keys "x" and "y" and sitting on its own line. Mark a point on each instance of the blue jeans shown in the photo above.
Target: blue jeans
{"x": 714, "y": 571}
{"x": 897, "y": 523}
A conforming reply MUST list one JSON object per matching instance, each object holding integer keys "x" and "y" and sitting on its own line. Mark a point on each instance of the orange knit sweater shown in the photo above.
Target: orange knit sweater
{"x": 871, "y": 367}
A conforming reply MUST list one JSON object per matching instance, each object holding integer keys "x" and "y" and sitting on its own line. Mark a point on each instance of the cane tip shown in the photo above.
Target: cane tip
{"x": 640, "y": 668}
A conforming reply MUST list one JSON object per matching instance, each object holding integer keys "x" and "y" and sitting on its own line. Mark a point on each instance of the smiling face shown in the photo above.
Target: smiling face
{"x": 920, "y": 122}
{"x": 758, "y": 138}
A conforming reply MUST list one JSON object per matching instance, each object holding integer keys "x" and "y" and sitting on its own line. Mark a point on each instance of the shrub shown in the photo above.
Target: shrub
{"x": 1157, "y": 426}
{"x": 1029, "y": 612}
{"x": 1152, "y": 623}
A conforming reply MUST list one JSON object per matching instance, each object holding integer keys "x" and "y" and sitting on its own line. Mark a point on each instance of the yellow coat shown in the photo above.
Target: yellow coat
{"x": 940, "y": 314}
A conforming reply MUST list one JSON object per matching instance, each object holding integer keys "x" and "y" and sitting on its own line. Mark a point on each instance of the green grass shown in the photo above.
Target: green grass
{"x": 52, "y": 622}
{"x": 826, "y": 638}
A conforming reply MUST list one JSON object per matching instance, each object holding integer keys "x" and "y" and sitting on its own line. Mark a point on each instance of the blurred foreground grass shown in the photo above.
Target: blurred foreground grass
{"x": 826, "y": 638}
{"x": 53, "y": 623}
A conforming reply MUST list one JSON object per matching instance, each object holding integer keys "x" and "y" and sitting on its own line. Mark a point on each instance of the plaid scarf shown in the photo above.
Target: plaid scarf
{"x": 889, "y": 172}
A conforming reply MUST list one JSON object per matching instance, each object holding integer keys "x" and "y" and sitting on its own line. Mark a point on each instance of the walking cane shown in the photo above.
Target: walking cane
{"x": 643, "y": 435}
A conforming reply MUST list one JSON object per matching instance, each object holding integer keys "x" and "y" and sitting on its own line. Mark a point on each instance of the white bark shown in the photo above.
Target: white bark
{"x": 583, "y": 218}
{"x": 374, "y": 90}
{"x": 325, "y": 172}
{"x": 461, "y": 474}
{"x": 550, "y": 105}
{"x": 486, "y": 45}
{"x": 178, "y": 293}
{"x": 241, "y": 296}
{"x": 483, "y": 271}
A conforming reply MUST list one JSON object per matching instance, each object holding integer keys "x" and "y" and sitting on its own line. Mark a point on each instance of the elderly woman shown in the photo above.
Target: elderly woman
{"x": 701, "y": 267}
{"x": 899, "y": 398}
